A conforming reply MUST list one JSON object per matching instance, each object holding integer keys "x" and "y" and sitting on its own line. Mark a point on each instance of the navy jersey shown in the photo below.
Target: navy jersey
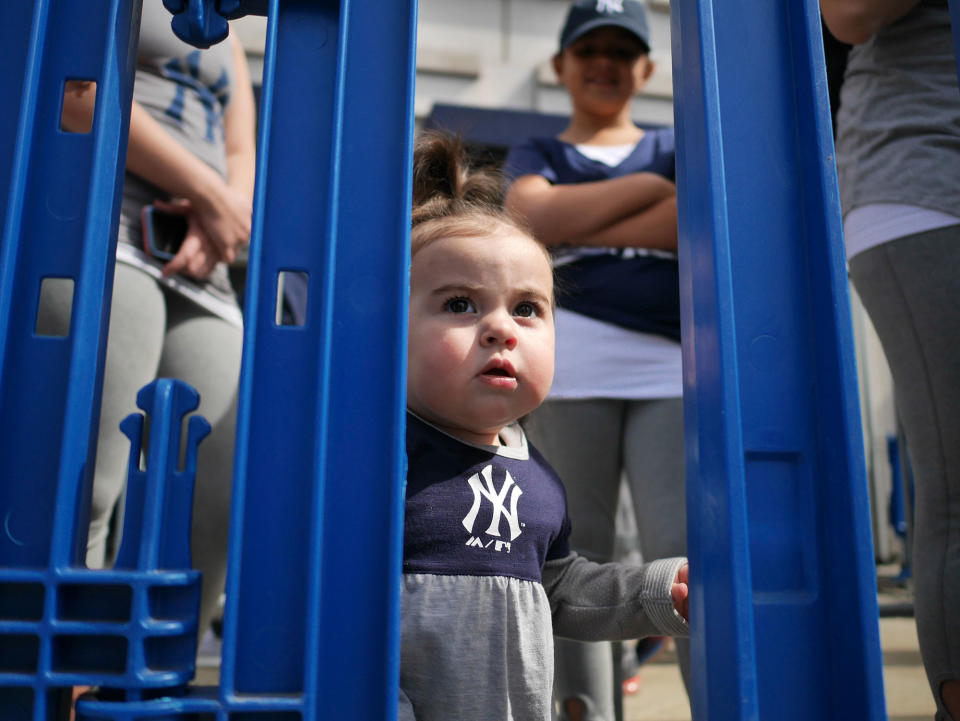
{"x": 480, "y": 512}
{"x": 629, "y": 287}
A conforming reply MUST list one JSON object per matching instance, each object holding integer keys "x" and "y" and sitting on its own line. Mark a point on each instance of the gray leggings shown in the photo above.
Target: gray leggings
{"x": 157, "y": 333}
{"x": 911, "y": 289}
{"x": 591, "y": 443}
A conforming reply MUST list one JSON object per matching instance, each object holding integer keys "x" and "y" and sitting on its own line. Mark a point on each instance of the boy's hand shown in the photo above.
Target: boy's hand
{"x": 680, "y": 592}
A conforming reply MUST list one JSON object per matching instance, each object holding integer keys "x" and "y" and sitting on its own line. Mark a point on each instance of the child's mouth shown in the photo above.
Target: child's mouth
{"x": 499, "y": 374}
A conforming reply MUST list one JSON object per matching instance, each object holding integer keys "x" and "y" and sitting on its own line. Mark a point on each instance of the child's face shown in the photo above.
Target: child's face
{"x": 481, "y": 333}
{"x": 604, "y": 69}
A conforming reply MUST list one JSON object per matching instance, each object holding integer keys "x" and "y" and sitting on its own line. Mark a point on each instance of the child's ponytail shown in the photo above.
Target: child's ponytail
{"x": 444, "y": 183}
{"x": 451, "y": 198}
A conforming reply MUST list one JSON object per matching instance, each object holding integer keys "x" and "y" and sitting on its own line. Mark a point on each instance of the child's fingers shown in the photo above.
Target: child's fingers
{"x": 683, "y": 575}
{"x": 680, "y": 593}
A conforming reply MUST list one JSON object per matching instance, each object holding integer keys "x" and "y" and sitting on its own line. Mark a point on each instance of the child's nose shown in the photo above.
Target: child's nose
{"x": 510, "y": 342}
{"x": 500, "y": 330}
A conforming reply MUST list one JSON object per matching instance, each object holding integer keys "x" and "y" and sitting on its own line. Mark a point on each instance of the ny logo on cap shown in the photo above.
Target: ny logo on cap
{"x": 609, "y": 6}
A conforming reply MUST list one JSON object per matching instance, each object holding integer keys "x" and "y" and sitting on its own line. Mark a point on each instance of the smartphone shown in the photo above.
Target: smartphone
{"x": 163, "y": 232}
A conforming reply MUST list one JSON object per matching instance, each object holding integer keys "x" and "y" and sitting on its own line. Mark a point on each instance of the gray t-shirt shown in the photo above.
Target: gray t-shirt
{"x": 187, "y": 91}
{"x": 898, "y": 125}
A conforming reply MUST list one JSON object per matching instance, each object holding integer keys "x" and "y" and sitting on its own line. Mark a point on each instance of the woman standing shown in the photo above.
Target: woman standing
{"x": 191, "y": 152}
{"x": 898, "y": 154}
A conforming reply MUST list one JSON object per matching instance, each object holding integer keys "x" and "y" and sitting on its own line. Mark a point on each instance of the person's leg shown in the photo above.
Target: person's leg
{"x": 581, "y": 440}
{"x": 137, "y": 321}
{"x": 204, "y": 351}
{"x": 655, "y": 465}
{"x": 911, "y": 289}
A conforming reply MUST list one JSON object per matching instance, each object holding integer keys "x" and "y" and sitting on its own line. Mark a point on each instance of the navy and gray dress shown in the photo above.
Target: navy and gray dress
{"x": 488, "y": 578}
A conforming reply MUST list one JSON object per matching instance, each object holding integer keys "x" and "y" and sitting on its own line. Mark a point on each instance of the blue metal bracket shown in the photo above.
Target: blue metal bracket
{"x": 783, "y": 589}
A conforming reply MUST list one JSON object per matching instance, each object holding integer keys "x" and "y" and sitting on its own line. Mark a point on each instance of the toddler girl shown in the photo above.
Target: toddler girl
{"x": 488, "y": 573}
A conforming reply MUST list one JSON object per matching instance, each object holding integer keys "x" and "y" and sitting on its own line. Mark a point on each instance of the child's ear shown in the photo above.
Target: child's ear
{"x": 557, "y": 62}
{"x": 648, "y": 71}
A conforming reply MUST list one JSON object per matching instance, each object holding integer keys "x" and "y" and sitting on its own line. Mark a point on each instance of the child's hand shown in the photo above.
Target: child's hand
{"x": 680, "y": 592}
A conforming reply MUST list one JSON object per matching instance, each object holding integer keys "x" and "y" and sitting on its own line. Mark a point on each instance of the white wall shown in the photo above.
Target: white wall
{"x": 496, "y": 54}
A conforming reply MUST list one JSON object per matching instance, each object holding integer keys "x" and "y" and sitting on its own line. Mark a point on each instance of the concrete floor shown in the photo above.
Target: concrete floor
{"x": 661, "y": 696}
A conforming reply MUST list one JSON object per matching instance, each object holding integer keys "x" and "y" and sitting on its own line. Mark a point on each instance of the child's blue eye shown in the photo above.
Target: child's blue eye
{"x": 458, "y": 305}
{"x": 527, "y": 310}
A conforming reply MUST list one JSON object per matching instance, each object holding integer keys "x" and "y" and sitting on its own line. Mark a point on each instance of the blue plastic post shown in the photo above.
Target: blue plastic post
{"x": 60, "y": 208}
{"x": 784, "y": 612}
{"x": 59, "y": 203}
{"x": 897, "y": 507}
{"x": 317, "y": 505}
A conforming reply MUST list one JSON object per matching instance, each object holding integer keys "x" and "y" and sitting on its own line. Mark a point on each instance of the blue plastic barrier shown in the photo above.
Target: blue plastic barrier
{"x": 58, "y": 624}
{"x": 318, "y": 504}
{"x": 783, "y": 589}
{"x": 783, "y": 609}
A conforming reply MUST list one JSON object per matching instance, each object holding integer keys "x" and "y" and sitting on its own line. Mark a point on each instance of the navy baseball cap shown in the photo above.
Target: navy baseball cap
{"x": 587, "y": 15}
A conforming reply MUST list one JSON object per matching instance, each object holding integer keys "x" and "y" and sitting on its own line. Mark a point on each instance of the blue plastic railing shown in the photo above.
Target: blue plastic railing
{"x": 784, "y": 611}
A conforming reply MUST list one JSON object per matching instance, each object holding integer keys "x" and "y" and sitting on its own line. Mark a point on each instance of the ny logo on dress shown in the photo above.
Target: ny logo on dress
{"x": 486, "y": 490}
{"x": 609, "y": 6}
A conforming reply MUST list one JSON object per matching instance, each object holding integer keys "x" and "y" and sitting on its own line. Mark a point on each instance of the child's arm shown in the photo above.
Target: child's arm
{"x": 655, "y": 226}
{"x": 637, "y": 210}
{"x": 612, "y": 601}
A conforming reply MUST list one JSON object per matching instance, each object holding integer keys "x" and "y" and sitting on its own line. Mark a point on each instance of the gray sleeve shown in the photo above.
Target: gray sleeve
{"x": 611, "y": 601}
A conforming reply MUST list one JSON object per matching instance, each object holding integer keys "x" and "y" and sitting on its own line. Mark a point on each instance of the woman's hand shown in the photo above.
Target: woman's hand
{"x": 225, "y": 216}
{"x": 198, "y": 255}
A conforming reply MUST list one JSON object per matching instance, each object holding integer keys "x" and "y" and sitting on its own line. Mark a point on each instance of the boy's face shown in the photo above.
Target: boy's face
{"x": 481, "y": 333}
{"x": 604, "y": 69}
